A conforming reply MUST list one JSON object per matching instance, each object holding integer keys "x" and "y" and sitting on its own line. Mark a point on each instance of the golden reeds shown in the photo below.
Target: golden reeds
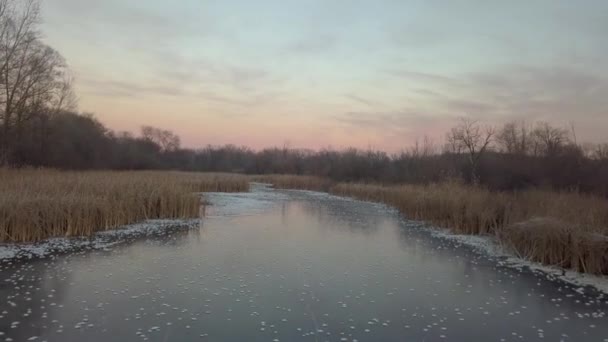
{"x": 38, "y": 204}
{"x": 568, "y": 230}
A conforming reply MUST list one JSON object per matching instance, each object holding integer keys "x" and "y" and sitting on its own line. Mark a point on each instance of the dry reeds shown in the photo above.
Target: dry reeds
{"x": 465, "y": 210}
{"x": 568, "y": 230}
{"x": 573, "y": 233}
{"x": 38, "y": 204}
{"x": 553, "y": 242}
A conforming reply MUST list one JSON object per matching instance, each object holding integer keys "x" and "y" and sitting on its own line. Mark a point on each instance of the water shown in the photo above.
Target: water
{"x": 290, "y": 266}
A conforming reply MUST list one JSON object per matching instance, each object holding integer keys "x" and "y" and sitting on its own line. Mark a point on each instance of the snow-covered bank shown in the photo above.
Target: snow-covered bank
{"x": 492, "y": 248}
{"x": 222, "y": 205}
{"x": 100, "y": 241}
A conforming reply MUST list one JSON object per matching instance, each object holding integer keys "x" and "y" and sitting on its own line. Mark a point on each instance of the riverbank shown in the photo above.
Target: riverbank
{"x": 39, "y": 204}
{"x": 565, "y": 230}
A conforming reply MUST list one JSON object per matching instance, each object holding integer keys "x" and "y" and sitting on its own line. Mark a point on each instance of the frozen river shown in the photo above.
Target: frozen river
{"x": 290, "y": 266}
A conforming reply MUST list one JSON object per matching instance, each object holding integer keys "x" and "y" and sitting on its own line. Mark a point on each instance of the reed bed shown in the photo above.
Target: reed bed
{"x": 38, "y": 204}
{"x": 568, "y": 230}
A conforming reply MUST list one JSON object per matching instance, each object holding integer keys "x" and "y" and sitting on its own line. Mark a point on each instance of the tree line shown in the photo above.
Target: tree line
{"x": 512, "y": 156}
{"x": 39, "y": 127}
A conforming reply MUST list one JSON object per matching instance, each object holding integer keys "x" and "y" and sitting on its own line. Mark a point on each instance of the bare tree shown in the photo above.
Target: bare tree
{"x": 514, "y": 138}
{"x": 32, "y": 74}
{"x": 452, "y": 143}
{"x": 64, "y": 98}
{"x": 167, "y": 140}
{"x": 422, "y": 150}
{"x": 17, "y": 33}
{"x": 549, "y": 140}
{"x": 473, "y": 138}
{"x": 18, "y": 22}
{"x": 601, "y": 152}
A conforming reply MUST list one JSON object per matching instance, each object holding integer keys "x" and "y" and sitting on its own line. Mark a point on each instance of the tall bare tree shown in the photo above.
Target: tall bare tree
{"x": 514, "y": 138}
{"x": 422, "y": 149}
{"x": 470, "y": 136}
{"x": 33, "y": 76}
{"x": 167, "y": 140}
{"x": 64, "y": 98}
{"x": 549, "y": 140}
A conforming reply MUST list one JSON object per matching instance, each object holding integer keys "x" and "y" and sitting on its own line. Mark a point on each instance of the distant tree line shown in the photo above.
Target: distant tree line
{"x": 513, "y": 156}
{"x": 39, "y": 127}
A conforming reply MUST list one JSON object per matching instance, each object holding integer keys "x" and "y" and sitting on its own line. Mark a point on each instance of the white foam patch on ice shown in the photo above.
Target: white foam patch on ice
{"x": 490, "y": 246}
{"x": 482, "y": 244}
{"x": 100, "y": 241}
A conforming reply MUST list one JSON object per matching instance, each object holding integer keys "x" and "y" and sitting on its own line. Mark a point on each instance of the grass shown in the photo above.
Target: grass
{"x": 38, "y": 204}
{"x": 568, "y": 230}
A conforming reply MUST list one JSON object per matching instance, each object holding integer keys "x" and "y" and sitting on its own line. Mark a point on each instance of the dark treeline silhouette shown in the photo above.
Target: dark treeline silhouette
{"x": 39, "y": 128}
{"x": 502, "y": 158}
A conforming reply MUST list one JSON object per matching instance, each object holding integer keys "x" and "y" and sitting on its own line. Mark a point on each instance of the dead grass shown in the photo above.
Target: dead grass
{"x": 553, "y": 242}
{"x": 568, "y": 230}
{"x": 38, "y": 204}
{"x": 463, "y": 210}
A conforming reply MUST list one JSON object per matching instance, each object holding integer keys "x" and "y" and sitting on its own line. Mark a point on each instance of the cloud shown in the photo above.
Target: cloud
{"x": 555, "y": 94}
{"x": 392, "y": 70}
{"x": 402, "y": 125}
{"x": 135, "y": 20}
{"x": 361, "y": 100}
{"x": 200, "y": 73}
{"x": 312, "y": 44}
{"x": 238, "y": 84}
{"x": 112, "y": 88}
{"x": 421, "y": 36}
{"x": 240, "y": 101}
{"x": 190, "y": 78}
{"x": 418, "y": 76}
{"x": 541, "y": 93}
{"x": 537, "y": 93}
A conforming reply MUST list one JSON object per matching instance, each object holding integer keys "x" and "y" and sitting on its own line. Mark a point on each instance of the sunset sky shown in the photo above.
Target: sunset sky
{"x": 319, "y": 73}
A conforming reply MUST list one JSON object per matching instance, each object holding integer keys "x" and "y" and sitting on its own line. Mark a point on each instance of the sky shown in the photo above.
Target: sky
{"x": 334, "y": 73}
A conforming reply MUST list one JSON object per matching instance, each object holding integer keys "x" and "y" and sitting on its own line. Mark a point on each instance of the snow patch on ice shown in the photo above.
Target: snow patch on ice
{"x": 100, "y": 241}
{"x": 483, "y": 244}
{"x": 492, "y": 247}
